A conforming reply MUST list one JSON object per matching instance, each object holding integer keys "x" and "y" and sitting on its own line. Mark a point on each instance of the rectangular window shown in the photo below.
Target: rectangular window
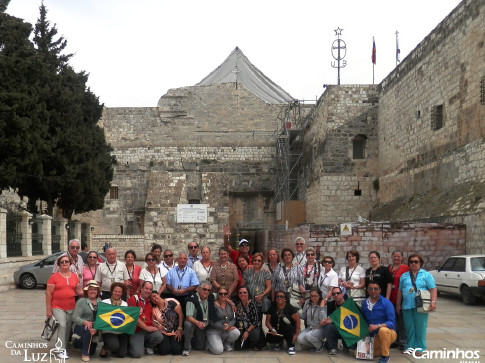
{"x": 113, "y": 192}
{"x": 437, "y": 117}
{"x": 482, "y": 91}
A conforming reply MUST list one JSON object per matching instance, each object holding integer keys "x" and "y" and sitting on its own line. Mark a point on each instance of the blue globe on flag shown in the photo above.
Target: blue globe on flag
{"x": 350, "y": 322}
{"x": 117, "y": 319}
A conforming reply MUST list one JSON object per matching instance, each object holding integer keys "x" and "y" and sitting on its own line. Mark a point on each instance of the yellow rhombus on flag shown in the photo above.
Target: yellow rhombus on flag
{"x": 116, "y": 318}
{"x": 350, "y": 322}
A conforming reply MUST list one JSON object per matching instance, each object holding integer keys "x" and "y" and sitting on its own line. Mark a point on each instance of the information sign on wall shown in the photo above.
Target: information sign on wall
{"x": 346, "y": 229}
{"x": 192, "y": 213}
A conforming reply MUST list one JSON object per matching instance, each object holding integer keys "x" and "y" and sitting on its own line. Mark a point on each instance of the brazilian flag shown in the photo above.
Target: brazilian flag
{"x": 121, "y": 319}
{"x": 350, "y": 322}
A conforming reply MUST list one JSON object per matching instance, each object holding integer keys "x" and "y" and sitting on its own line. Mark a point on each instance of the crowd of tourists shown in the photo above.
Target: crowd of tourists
{"x": 190, "y": 301}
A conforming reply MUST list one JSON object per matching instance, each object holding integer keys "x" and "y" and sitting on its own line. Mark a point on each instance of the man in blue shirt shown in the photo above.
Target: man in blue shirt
{"x": 379, "y": 314}
{"x": 181, "y": 280}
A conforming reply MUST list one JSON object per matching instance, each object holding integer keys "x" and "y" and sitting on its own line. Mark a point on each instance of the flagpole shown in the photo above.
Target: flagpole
{"x": 397, "y": 48}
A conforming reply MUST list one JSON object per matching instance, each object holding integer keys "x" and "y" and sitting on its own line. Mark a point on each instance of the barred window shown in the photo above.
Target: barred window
{"x": 437, "y": 117}
{"x": 113, "y": 192}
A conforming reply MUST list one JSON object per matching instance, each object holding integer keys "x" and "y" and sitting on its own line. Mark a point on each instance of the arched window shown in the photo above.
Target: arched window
{"x": 358, "y": 147}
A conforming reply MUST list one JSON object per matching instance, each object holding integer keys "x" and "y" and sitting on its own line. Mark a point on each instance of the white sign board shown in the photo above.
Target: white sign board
{"x": 346, "y": 229}
{"x": 192, "y": 213}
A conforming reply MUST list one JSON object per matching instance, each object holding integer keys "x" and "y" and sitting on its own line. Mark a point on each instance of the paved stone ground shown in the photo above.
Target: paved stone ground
{"x": 453, "y": 326}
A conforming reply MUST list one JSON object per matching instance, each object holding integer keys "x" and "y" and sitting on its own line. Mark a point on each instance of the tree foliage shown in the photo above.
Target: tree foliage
{"x": 51, "y": 147}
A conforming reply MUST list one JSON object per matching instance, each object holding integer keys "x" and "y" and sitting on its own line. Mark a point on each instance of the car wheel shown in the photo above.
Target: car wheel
{"x": 28, "y": 281}
{"x": 467, "y": 296}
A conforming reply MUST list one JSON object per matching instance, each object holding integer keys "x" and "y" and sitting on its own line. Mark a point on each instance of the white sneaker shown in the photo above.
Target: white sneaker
{"x": 186, "y": 353}
{"x": 228, "y": 348}
{"x": 291, "y": 351}
{"x": 149, "y": 351}
{"x": 277, "y": 347}
{"x": 62, "y": 355}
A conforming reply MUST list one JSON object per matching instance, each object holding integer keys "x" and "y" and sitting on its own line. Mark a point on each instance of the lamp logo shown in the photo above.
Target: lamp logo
{"x": 23, "y": 351}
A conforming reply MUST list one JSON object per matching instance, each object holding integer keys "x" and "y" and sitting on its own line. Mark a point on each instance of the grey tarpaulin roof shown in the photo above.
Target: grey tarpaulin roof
{"x": 238, "y": 68}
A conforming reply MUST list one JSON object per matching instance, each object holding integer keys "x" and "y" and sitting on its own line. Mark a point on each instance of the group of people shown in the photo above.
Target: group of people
{"x": 195, "y": 302}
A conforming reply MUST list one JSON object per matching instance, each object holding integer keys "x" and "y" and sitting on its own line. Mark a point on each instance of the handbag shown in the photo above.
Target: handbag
{"x": 50, "y": 327}
{"x": 422, "y": 299}
{"x": 365, "y": 348}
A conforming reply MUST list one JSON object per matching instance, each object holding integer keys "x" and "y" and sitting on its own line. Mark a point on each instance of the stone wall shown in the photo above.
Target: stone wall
{"x": 331, "y": 172}
{"x": 434, "y": 241}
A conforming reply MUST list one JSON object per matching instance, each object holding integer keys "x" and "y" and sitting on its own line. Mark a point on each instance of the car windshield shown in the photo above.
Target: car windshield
{"x": 477, "y": 263}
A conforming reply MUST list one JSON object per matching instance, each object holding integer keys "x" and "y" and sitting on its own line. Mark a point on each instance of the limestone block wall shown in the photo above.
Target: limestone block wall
{"x": 332, "y": 174}
{"x": 446, "y": 69}
{"x": 434, "y": 241}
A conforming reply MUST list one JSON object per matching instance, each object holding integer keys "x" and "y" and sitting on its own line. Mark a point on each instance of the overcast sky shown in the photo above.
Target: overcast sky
{"x": 136, "y": 50}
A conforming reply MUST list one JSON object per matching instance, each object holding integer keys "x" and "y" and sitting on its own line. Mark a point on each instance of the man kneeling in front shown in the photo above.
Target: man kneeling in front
{"x": 379, "y": 314}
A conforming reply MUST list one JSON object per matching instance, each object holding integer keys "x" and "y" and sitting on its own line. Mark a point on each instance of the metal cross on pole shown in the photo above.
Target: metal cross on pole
{"x": 340, "y": 48}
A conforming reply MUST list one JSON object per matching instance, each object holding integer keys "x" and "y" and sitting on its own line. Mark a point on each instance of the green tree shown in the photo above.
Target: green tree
{"x": 48, "y": 122}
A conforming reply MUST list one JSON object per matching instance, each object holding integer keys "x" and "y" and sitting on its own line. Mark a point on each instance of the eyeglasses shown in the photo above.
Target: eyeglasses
{"x": 414, "y": 261}
{"x": 243, "y": 245}
{"x": 299, "y": 244}
{"x": 93, "y": 257}
{"x": 243, "y": 292}
{"x": 205, "y": 289}
{"x": 280, "y": 297}
{"x": 256, "y": 260}
{"x": 336, "y": 293}
{"x": 168, "y": 256}
{"x": 150, "y": 259}
{"x": 193, "y": 247}
{"x": 222, "y": 293}
{"x": 310, "y": 254}
{"x": 327, "y": 262}
{"x": 75, "y": 248}
{"x": 373, "y": 288}
{"x": 64, "y": 261}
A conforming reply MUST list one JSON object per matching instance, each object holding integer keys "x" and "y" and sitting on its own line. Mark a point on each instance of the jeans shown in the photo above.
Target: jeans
{"x": 170, "y": 345}
{"x": 199, "y": 339}
{"x": 218, "y": 339}
{"x": 64, "y": 317}
{"x": 116, "y": 344}
{"x": 142, "y": 339}
{"x": 254, "y": 339}
{"x": 331, "y": 333}
{"x": 84, "y": 343}
{"x": 311, "y": 337}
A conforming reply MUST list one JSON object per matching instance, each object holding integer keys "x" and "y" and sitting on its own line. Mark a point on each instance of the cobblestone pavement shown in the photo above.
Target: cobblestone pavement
{"x": 453, "y": 326}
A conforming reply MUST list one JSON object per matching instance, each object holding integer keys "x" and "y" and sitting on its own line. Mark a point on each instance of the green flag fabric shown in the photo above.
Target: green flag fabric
{"x": 121, "y": 319}
{"x": 350, "y": 322}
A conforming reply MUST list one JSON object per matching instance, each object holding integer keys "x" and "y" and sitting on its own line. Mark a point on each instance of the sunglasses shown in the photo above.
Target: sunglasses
{"x": 93, "y": 257}
{"x": 243, "y": 245}
{"x": 206, "y": 289}
{"x": 310, "y": 254}
{"x": 168, "y": 256}
{"x": 280, "y": 297}
{"x": 256, "y": 260}
{"x": 64, "y": 261}
{"x": 150, "y": 259}
{"x": 336, "y": 293}
{"x": 193, "y": 247}
{"x": 414, "y": 261}
{"x": 222, "y": 293}
{"x": 75, "y": 248}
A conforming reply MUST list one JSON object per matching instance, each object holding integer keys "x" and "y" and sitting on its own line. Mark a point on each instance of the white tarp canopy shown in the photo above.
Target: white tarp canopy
{"x": 238, "y": 68}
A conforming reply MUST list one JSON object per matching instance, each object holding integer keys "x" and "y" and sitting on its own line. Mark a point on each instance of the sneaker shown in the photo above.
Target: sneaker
{"x": 277, "y": 347}
{"x": 149, "y": 351}
{"x": 256, "y": 348}
{"x": 384, "y": 359}
{"x": 291, "y": 351}
{"x": 228, "y": 348}
{"x": 333, "y": 352}
{"x": 62, "y": 355}
{"x": 319, "y": 350}
{"x": 85, "y": 358}
{"x": 186, "y": 353}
